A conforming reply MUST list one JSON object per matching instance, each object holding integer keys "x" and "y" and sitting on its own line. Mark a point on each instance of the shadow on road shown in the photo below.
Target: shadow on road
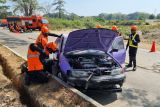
{"x": 156, "y": 68}
{"x": 103, "y": 98}
{"x": 130, "y": 97}
{"x": 136, "y": 97}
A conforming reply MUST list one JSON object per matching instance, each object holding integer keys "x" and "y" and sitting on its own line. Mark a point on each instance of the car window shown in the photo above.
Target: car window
{"x": 45, "y": 21}
{"x": 118, "y": 43}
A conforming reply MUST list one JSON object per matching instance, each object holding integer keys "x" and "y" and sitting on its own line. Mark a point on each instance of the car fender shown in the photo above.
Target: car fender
{"x": 63, "y": 64}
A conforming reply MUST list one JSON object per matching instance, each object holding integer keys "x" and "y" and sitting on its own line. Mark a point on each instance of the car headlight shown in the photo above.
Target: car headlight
{"x": 117, "y": 71}
{"x": 79, "y": 74}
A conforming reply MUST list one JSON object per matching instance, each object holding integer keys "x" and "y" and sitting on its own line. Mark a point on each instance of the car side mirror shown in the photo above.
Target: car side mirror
{"x": 114, "y": 50}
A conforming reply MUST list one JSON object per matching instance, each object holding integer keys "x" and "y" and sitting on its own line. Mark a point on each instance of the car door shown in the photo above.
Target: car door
{"x": 63, "y": 63}
{"x": 59, "y": 42}
{"x": 120, "y": 54}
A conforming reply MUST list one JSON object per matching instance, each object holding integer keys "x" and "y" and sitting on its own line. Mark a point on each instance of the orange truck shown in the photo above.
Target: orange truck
{"x": 29, "y": 22}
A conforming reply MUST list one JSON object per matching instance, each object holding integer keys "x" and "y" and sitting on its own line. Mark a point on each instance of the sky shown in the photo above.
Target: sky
{"x": 95, "y": 7}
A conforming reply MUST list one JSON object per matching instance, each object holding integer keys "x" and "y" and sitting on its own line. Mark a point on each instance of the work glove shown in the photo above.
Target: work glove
{"x": 60, "y": 35}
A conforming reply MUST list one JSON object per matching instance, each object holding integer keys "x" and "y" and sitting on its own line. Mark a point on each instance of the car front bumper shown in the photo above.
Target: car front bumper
{"x": 98, "y": 82}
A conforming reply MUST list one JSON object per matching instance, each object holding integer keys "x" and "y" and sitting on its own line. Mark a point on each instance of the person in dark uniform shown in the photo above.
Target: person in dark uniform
{"x": 133, "y": 41}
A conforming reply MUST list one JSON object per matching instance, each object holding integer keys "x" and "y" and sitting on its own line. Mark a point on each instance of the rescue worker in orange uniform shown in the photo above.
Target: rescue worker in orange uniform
{"x": 48, "y": 63}
{"x": 115, "y": 28}
{"x": 44, "y": 37}
{"x": 37, "y": 61}
{"x": 11, "y": 28}
{"x": 133, "y": 41}
{"x": 18, "y": 28}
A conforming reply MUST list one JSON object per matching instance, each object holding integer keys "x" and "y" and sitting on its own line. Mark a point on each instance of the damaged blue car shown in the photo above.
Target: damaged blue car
{"x": 92, "y": 59}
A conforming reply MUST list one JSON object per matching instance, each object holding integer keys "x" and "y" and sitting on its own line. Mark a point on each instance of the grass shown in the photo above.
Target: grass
{"x": 89, "y": 22}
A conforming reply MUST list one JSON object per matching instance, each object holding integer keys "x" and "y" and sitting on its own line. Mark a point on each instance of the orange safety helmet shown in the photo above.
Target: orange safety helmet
{"x": 51, "y": 47}
{"x": 134, "y": 27}
{"x": 99, "y": 26}
{"x": 114, "y": 28}
{"x": 44, "y": 29}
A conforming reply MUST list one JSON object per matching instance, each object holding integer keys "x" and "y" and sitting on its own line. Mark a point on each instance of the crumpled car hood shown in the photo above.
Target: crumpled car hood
{"x": 95, "y": 39}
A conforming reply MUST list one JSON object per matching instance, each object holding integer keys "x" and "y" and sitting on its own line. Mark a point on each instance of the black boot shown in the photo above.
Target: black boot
{"x": 134, "y": 64}
{"x": 27, "y": 80}
{"x": 130, "y": 63}
{"x": 134, "y": 68}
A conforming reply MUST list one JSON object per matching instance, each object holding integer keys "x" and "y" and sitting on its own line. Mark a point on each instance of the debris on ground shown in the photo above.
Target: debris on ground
{"x": 9, "y": 97}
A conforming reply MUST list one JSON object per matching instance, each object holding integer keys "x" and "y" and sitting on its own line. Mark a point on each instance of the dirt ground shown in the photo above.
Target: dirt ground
{"x": 9, "y": 97}
{"x": 148, "y": 38}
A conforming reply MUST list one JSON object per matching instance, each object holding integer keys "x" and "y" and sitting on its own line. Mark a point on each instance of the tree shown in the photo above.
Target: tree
{"x": 158, "y": 16}
{"x": 46, "y": 8}
{"x": 115, "y": 16}
{"x": 73, "y": 16}
{"x": 138, "y": 16}
{"x": 152, "y": 16}
{"x": 59, "y": 7}
{"x": 26, "y": 7}
{"x": 3, "y": 9}
{"x": 102, "y": 16}
{"x": 3, "y": 1}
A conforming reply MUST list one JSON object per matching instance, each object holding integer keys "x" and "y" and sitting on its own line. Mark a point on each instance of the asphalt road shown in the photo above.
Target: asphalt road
{"x": 141, "y": 89}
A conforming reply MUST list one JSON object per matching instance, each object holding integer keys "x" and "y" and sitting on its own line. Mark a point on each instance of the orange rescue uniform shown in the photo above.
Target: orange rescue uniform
{"x": 34, "y": 63}
{"x": 43, "y": 40}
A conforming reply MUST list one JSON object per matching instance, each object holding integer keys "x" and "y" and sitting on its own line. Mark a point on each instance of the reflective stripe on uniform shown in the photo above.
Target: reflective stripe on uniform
{"x": 33, "y": 60}
{"x": 33, "y": 56}
{"x": 131, "y": 41}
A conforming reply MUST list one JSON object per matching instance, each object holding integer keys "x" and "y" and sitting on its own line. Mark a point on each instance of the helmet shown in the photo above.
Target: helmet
{"x": 44, "y": 29}
{"x": 99, "y": 26}
{"x": 51, "y": 47}
{"x": 114, "y": 28}
{"x": 134, "y": 27}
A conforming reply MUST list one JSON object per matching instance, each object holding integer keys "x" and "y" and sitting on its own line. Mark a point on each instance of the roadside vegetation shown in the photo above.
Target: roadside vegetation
{"x": 60, "y": 19}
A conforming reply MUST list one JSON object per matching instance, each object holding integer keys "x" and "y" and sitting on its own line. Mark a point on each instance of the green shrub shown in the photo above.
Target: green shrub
{"x": 89, "y": 25}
